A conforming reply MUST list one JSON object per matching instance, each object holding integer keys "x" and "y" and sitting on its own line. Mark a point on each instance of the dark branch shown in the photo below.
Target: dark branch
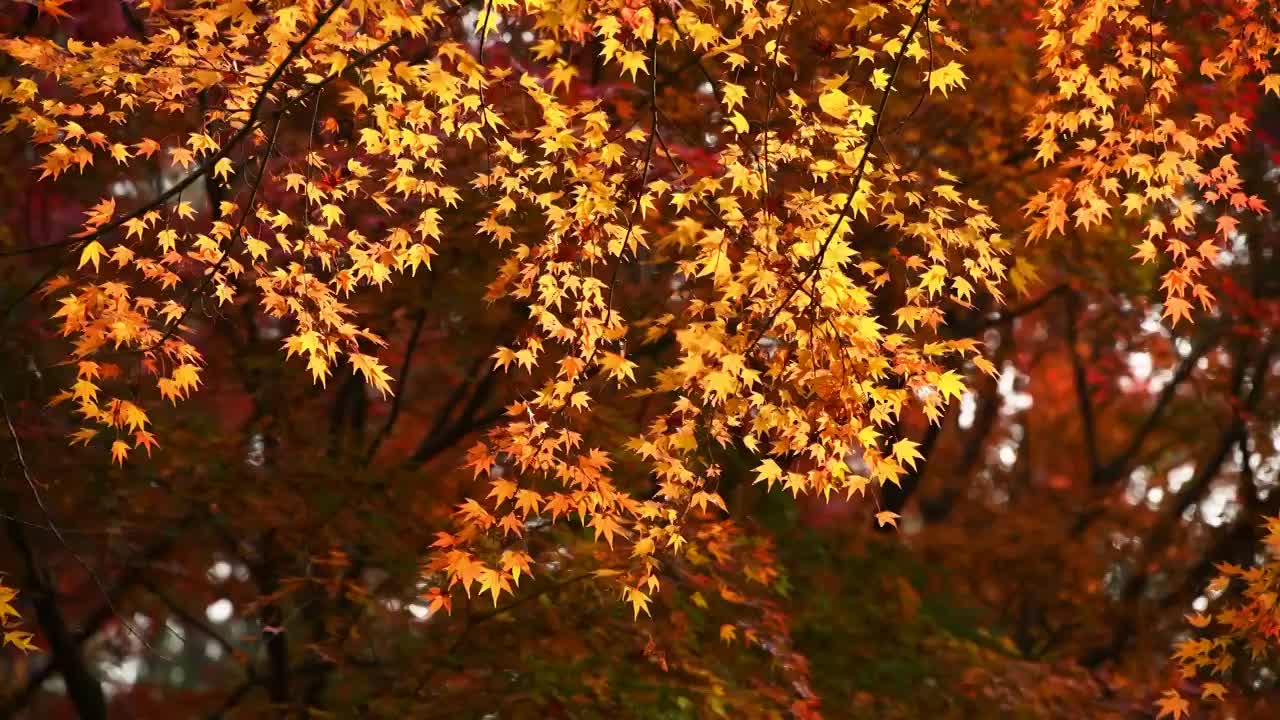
{"x": 1084, "y": 394}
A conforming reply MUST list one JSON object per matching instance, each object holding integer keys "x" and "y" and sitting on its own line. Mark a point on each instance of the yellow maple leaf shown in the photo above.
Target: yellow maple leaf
{"x": 905, "y": 452}
{"x": 92, "y": 253}
{"x": 562, "y": 73}
{"x": 639, "y": 602}
{"x": 83, "y": 436}
{"x": 222, "y": 168}
{"x": 633, "y": 61}
{"x": 733, "y": 96}
{"x": 619, "y": 367}
{"x": 768, "y": 472}
{"x": 835, "y": 103}
{"x": 950, "y": 385}
{"x": 374, "y": 372}
{"x": 946, "y": 77}
{"x": 20, "y": 639}
{"x": 354, "y": 97}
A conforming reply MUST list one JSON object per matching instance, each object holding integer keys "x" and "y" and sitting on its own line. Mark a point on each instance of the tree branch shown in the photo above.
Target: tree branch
{"x": 816, "y": 265}
{"x": 1170, "y": 517}
{"x": 83, "y": 689}
{"x": 251, "y": 124}
{"x": 1115, "y": 468}
{"x": 397, "y": 402}
{"x": 1084, "y": 395}
{"x": 96, "y": 619}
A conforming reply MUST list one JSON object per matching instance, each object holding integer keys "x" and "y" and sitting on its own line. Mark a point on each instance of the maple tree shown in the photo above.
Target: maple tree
{"x": 454, "y": 355}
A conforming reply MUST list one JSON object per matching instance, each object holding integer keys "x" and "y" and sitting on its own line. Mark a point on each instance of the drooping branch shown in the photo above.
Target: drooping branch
{"x": 816, "y": 265}
{"x": 252, "y": 122}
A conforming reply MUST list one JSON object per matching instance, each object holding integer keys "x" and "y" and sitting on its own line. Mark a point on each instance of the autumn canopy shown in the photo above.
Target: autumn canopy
{"x": 641, "y": 359}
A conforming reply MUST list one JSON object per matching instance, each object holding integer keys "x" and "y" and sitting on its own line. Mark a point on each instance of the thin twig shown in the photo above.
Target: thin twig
{"x": 53, "y": 527}
{"x": 648, "y": 161}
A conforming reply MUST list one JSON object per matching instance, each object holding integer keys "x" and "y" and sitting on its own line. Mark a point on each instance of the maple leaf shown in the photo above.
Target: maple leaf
{"x": 733, "y": 95}
{"x": 949, "y": 385}
{"x": 887, "y": 517}
{"x": 100, "y": 213}
{"x": 53, "y": 8}
{"x": 1213, "y": 691}
{"x": 560, "y": 74}
{"x": 474, "y": 513}
{"x": 181, "y": 157}
{"x": 119, "y": 451}
{"x": 1172, "y": 705}
{"x": 607, "y": 526}
{"x": 83, "y": 436}
{"x": 502, "y": 491}
{"x": 946, "y": 77}
{"x": 20, "y": 639}
{"x": 374, "y": 373}
{"x": 7, "y": 610}
{"x": 905, "y": 451}
{"x": 354, "y": 97}
{"x": 494, "y": 583}
{"x": 222, "y": 168}
{"x": 92, "y": 253}
{"x": 516, "y": 563}
{"x": 1227, "y": 225}
{"x": 503, "y": 357}
{"x": 768, "y": 472}
{"x": 146, "y": 440}
{"x": 835, "y": 103}
{"x": 1177, "y": 308}
{"x": 120, "y": 153}
{"x": 633, "y": 61}
{"x": 701, "y": 498}
{"x": 639, "y": 602}
{"x": 618, "y": 367}
{"x": 1199, "y": 620}
{"x": 332, "y": 214}
{"x": 437, "y": 600}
